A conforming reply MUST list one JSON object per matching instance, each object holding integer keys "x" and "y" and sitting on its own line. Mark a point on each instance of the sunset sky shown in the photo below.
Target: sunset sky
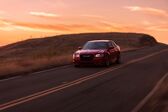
{"x": 23, "y": 19}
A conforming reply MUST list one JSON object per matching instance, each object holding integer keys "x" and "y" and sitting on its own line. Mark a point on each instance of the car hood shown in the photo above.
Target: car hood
{"x": 90, "y": 51}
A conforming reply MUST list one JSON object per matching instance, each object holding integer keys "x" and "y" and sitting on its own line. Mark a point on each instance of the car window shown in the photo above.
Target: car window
{"x": 110, "y": 44}
{"x": 96, "y": 45}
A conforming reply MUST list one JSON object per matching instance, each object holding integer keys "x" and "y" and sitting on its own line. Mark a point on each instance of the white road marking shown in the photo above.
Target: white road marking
{"x": 9, "y": 78}
{"x": 48, "y": 70}
{"x": 43, "y": 71}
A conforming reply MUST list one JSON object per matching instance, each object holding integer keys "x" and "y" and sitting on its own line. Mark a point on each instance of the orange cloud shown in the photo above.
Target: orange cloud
{"x": 92, "y": 16}
{"x": 44, "y": 14}
{"x": 149, "y": 11}
{"x": 121, "y": 27}
{"x": 34, "y": 26}
{"x": 5, "y": 25}
{"x": 101, "y": 26}
{"x": 15, "y": 25}
{"x": 162, "y": 28}
{"x": 111, "y": 25}
{"x": 147, "y": 23}
{"x": 9, "y": 25}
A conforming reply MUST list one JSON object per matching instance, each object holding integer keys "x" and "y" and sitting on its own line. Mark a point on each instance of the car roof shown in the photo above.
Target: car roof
{"x": 100, "y": 41}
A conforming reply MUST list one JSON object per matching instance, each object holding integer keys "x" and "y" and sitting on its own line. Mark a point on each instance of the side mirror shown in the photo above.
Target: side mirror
{"x": 79, "y": 48}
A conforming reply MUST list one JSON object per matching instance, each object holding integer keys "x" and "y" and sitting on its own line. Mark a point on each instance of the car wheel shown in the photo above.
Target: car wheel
{"x": 107, "y": 63}
{"x": 118, "y": 61}
{"x": 76, "y": 65}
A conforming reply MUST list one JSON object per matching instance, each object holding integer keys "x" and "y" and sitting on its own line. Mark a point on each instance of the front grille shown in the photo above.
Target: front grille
{"x": 86, "y": 57}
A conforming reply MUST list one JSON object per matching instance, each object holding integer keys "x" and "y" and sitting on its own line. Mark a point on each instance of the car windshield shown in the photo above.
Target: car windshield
{"x": 96, "y": 45}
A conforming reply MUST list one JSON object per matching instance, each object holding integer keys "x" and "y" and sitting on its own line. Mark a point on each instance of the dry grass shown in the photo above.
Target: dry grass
{"x": 159, "y": 101}
{"x": 16, "y": 66}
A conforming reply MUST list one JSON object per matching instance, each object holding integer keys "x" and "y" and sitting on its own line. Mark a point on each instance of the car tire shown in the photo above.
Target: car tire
{"x": 108, "y": 62}
{"x": 118, "y": 61}
{"x": 76, "y": 65}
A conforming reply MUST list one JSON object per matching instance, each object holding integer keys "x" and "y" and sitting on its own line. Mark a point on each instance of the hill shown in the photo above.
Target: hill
{"x": 51, "y": 46}
{"x": 36, "y": 54}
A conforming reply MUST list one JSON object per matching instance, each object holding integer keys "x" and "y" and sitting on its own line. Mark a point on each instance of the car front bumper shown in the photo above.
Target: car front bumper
{"x": 95, "y": 61}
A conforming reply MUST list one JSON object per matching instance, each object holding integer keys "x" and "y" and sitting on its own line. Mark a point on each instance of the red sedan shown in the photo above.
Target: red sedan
{"x": 97, "y": 52}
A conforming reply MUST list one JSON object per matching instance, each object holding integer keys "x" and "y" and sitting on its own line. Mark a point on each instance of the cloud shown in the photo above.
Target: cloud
{"x": 146, "y": 23}
{"x": 9, "y": 25}
{"x": 133, "y": 8}
{"x": 54, "y": 27}
{"x": 149, "y": 11}
{"x": 5, "y": 25}
{"x": 41, "y": 26}
{"x": 44, "y": 14}
{"x": 92, "y": 16}
{"x": 101, "y": 26}
{"x": 162, "y": 28}
{"x": 110, "y": 26}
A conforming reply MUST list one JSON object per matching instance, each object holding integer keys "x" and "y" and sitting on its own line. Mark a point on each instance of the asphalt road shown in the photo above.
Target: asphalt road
{"x": 88, "y": 89}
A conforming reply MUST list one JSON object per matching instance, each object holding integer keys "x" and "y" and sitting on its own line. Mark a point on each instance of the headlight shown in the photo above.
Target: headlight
{"x": 76, "y": 55}
{"x": 99, "y": 55}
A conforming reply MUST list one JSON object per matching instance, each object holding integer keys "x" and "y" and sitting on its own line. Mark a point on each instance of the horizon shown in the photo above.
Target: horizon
{"x": 21, "y": 19}
{"x": 50, "y": 36}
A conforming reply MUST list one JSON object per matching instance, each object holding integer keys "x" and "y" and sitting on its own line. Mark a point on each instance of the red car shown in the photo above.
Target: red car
{"x": 97, "y": 52}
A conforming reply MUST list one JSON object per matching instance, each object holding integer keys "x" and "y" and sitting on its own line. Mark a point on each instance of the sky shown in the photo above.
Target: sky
{"x": 25, "y": 19}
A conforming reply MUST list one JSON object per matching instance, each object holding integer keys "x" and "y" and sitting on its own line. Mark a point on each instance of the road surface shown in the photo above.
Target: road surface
{"x": 88, "y": 89}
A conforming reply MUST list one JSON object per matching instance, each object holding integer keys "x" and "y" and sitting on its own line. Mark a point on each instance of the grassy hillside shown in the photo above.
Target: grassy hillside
{"x": 34, "y": 54}
{"x": 52, "y": 46}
